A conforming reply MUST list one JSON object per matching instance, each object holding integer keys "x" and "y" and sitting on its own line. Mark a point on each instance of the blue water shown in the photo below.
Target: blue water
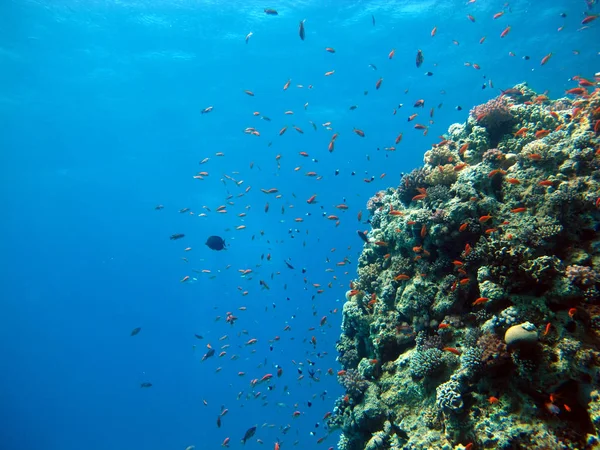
{"x": 100, "y": 122}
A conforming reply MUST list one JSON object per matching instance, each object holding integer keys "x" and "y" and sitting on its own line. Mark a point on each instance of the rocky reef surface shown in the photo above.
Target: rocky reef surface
{"x": 475, "y": 318}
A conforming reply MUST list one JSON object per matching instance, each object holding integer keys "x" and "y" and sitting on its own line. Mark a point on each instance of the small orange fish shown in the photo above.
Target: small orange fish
{"x": 545, "y": 183}
{"x": 452, "y": 350}
{"x": 330, "y": 49}
{"x": 518, "y": 210}
{"x": 361, "y": 133}
{"x": 401, "y": 277}
{"x": 545, "y": 59}
{"x": 419, "y": 197}
{"x": 311, "y": 200}
{"x": 328, "y": 74}
{"x": 547, "y": 329}
{"x": 572, "y": 312}
{"x": 484, "y": 219}
{"x": 541, "y": 133}
{"x": 378, "y": 83}
{"x": 521, "y": 131}
{"x": 535, "y": 156}
{"x": 287, "y": 85}
{"x": 250, "y": 93}
{"x": 391, "y": 54}
{"x": 480, "y": 301}
{"x": 513, "y": 181}
{"x": 463, "y": 227}
{"x": 434, "y": 31}
{"x": 589, "y": 18}
{"x": 423, "y": 231}
{"x": 493, "y": 400}
{"x": 505, "y": 31}
{"x": 398, "y": 138}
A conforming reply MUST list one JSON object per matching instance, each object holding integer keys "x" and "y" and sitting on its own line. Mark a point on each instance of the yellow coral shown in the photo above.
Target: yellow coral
{"x": 442, "y": 175}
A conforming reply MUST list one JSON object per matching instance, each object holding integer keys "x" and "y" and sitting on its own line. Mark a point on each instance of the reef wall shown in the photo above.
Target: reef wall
{"x": 475, "y": 318}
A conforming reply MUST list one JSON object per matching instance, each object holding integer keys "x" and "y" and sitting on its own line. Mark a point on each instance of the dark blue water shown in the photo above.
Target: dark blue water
{"x": 100, "y": 122}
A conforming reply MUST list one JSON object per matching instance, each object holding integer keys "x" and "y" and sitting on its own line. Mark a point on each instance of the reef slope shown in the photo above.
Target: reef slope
{"x": 475, "y": 318}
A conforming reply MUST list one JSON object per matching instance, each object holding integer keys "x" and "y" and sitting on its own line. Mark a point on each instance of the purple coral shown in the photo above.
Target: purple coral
{"x": 493, "y": 155}
{"x": 375, "y": 202}
{"x": 582, "y": 275}
{"x": 354, "y": 383}
{"x": 439, "y": 216}
{"x": 495, "y": 116}
{"x": 493, "y": 112}
{"x": 494, "y": 352}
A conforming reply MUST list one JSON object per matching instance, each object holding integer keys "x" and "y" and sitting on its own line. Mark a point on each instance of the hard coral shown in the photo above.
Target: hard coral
{"x": 495, "y": 116}
{"x": 354, "y": 383}
{"x": 582, "y": 275}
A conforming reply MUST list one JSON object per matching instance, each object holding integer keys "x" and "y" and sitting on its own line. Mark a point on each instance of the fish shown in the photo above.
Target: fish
{"x": 249, "y": 433}
{"x": 209, "y": 353}
{"x": 288, "y": 264}
{"x": 135, "y": 331}
{"x": 505, "y": 31}
{"x": 248, "y": 36}
{"x": 145, "y": 384}
{"x": 174, "y": 237}
{"x": 301, "y": 32}
{"x": 363, "y": 236}
{"x": 215, "y": 243}
{"x": 589, "y": 18}
{"x": 420, "y": 58}
{"x": 545, "y": 59}
{"x": 271, "y": 12}
{"x": 206, "y": 110}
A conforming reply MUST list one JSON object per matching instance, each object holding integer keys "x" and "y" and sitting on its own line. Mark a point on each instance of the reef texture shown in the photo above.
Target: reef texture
{"x": 475, "y": 318}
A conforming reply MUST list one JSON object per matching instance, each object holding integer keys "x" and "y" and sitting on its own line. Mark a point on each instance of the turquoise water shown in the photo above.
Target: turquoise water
{"x": 100, "y": 122}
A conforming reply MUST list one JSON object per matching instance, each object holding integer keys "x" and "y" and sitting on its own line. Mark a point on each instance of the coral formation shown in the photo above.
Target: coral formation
{"x": 475, "y": 316}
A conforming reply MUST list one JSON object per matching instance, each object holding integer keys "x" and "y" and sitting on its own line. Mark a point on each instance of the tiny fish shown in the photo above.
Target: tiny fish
{"x": 301, "y": 32}
{"x": 136, "y": 331}
{"x": 420, "y": 58}
{"x": 146, "y": 385}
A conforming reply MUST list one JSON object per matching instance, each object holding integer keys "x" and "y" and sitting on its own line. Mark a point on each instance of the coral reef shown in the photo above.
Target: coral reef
{"x": 475, "y": 316}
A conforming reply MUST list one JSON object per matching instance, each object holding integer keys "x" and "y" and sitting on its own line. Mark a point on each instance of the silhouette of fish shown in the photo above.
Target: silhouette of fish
{"x": 249, "y": 433}
{"x": 215, "y": 243}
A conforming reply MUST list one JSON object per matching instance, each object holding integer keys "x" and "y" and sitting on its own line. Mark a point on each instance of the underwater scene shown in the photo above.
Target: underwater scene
{"x": 343, "y": 224}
